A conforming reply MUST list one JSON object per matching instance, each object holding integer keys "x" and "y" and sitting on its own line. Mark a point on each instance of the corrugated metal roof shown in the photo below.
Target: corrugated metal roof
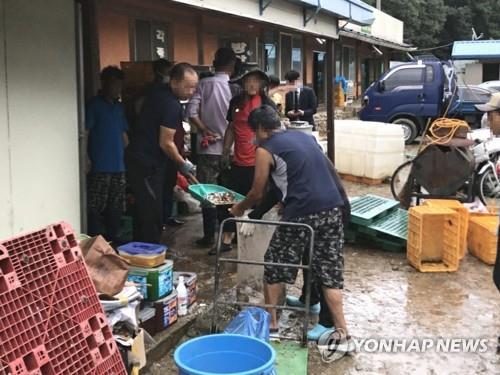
{"x": 476, "y": 50}
{"x": 355, "y": 11}
{"x": 377, "y": 41}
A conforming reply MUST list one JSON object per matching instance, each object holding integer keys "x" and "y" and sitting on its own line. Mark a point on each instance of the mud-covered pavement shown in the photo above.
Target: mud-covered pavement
{"x": 385, "y": 298}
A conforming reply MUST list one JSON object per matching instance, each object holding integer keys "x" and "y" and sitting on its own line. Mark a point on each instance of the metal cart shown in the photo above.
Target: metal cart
{"x": 307, "y": 278}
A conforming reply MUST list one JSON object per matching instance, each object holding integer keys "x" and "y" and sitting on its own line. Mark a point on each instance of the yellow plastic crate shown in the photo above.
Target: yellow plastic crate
{"x": 483, "y": 237}
{"x": 463, "y": 212}
{"x": 433, "y": 239}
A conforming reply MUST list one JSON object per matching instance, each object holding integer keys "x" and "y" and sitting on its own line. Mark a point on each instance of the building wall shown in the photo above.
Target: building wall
{"x": 210, "y": 45}
{"x": 384, "y": 27}
{"x": 185, "y": 43}
{"x": 277, "y": 11}
{"x": 474, "y": 74}
{"x": 114, "y": 41}
{"x": 38, "y": 115}
{"x": 6, "y": 216}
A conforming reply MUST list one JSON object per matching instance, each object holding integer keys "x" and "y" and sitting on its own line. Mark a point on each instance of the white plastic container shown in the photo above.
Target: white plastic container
{"x": 368, "y": 149}
{"x": 182, "y": 298}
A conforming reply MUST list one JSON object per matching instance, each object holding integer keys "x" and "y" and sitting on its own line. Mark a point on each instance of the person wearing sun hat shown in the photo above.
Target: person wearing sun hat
{"x": 491, "y": 118}
{"x": 240, "y": 135}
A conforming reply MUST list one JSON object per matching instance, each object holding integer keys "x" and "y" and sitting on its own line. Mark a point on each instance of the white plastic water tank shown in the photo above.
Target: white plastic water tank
{"x": 368, "y": 149}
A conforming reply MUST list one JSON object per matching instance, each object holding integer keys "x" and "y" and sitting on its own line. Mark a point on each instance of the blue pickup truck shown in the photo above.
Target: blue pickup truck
{"x": 411, "y": 93}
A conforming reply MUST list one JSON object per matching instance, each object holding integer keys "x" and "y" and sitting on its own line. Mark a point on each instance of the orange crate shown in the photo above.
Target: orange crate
{"x": 483, "y": 238}
{"x": 492, "y": 211}
{"x": 433, "y": 239}
{"x": 463, "y": 212}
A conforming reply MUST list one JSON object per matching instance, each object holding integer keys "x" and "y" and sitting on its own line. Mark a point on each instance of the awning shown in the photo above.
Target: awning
{"x": 476, "y": 50}
{"x": 367, "y": 38}
{"x": 355, "y": 11}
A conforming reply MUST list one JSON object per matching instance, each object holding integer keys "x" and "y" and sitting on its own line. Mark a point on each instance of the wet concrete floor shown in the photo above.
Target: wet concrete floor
{"x": 384, "y": 297}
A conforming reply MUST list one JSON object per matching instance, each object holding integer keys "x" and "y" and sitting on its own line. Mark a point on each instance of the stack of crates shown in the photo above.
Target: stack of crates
{"x": 434, "y": 238}
{"x": 379, "y": 220}
{"x": 463, "y": 214}
{"x": 154, "y": 276}
{"x": 483, "y": 237}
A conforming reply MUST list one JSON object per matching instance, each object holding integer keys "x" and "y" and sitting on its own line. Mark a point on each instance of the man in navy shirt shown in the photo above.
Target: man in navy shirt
{"x": 311, "y": 194}
{"x": 107, "y": 138}
{"x": 155, "y": 152}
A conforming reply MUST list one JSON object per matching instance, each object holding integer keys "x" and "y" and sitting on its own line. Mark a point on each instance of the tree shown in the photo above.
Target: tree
{"x": 432, "y": 23}
{"x": 423, "y": 19}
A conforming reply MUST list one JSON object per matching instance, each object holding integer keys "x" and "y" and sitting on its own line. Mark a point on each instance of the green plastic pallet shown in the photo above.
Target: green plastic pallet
{"x": 388, "y": 245}
{"x": 366, "y": 209}
{"x": 394, "y": 226}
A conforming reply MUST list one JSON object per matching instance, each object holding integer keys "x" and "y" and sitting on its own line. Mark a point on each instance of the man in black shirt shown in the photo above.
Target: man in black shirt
{"x": 155, "y": 152}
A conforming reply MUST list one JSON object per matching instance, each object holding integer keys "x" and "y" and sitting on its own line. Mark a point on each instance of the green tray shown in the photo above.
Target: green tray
{"x": 200, "y": 192}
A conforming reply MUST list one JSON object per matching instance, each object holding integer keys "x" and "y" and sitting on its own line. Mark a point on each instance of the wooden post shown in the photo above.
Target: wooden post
{"x": 330, "y": 99}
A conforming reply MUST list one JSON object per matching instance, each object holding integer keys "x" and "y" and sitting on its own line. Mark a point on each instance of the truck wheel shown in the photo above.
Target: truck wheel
{"x": 409, "y": 128}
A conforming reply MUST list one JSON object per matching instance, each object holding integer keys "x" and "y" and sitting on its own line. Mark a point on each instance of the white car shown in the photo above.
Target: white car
{"x": 491, "y": 85}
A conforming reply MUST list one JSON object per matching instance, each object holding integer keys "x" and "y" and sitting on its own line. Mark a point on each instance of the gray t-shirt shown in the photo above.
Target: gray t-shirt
{"x": 210, "y": 102}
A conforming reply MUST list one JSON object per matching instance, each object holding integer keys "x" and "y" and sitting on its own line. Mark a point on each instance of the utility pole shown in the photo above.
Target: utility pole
{"x": 379, "y": 4}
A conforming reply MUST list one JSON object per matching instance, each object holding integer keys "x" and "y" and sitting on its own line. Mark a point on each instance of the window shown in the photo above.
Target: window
{"x": 270, "y": 59}
{"x": 491, "y": 71}
{"x": 150, "y": 40}
{"x": 291, "y": 53}
{"x": 473, "y": 94}
{"x": 404, "y": 77}
{"x": 297, "y": 54}
{"x": 348, "y": 63}
{"x": 338, "y": 59}
{"x": 429, "y": 74}
{"x": 270, "y": 53}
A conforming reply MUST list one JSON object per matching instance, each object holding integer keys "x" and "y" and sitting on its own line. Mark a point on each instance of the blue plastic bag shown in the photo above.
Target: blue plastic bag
{"x": 253, "y": 322}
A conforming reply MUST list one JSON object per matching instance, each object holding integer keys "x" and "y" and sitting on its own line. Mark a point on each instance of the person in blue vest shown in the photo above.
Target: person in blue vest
{"x": 106, "y": 130}
{"x": 311, "y": 194}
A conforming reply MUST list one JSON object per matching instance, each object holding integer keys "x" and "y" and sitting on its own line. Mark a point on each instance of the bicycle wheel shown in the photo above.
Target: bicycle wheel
{"x": 489, "y": 187}
{"x": 399, "y": 178}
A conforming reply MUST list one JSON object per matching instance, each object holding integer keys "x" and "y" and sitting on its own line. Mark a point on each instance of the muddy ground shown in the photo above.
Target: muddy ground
{"x": 384, "y": 297}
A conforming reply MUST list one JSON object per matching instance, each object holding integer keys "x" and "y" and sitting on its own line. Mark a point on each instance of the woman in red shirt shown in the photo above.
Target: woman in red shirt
{"x": 240, "y": 135}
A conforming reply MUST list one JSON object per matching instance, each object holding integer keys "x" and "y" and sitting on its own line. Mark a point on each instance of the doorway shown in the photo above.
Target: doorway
{"x": 319, "y": 76}
{"x": 491, "y": 72}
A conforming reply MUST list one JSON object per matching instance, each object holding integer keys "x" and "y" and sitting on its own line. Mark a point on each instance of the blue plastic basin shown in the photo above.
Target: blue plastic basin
{"x": 225, "y": 354}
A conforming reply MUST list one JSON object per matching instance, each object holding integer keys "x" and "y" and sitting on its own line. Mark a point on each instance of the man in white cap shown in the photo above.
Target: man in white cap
{"x": 491, "y": 118}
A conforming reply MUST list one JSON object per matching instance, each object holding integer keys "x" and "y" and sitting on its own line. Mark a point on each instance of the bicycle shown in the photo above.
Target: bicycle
{"x": 484, "y": 183}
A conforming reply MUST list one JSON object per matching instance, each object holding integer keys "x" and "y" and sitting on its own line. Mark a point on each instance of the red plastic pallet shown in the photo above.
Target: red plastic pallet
{"x": 51, "y": 321}
{"x": 23, "y": 321}
{"x": 112, "y": 366}
{"x": 75, "y": 294}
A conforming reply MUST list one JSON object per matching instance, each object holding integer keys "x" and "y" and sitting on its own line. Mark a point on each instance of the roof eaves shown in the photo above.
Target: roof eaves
{"x": 375, "y": 40}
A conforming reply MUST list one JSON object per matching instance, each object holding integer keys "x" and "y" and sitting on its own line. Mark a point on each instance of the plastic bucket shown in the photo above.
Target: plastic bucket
{"x": 225, "y": 354}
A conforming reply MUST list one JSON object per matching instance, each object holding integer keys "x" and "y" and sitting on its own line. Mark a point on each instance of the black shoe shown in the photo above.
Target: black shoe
{"x": 205, "y": 242}
{"x": 224, "y": 248}
{"x": 173, "y": 222}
